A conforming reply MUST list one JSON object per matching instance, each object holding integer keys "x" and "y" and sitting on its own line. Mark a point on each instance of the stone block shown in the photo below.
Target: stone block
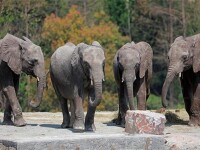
{"x": 140, "y": 122}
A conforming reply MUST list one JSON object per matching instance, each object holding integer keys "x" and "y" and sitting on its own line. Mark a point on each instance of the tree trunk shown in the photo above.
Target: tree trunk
{"x": 128, "y": 19}
{"x": 183, "y": 17}
{"x": 27, "y": 7}
{"x": 171, "y": 90}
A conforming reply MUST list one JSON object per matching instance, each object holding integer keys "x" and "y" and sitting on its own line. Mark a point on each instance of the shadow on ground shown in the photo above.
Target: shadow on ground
{"x": 173, "y": 119}
{"x": 55, "y": 126}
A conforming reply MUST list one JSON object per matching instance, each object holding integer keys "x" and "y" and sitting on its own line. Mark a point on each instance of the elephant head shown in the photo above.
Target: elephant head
{"x": 184, "y": 54}
{"x": 133, "y": 61}
{"x": 88, "y": 63}
{"x": 23, "y": 55}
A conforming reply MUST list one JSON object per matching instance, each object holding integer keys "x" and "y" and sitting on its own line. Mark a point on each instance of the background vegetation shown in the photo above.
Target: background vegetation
{"x": 52, "y": 23}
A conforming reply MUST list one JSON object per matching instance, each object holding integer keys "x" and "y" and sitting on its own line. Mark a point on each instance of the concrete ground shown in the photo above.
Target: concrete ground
{"x": 43, "y": 132}
{"x": 180, "y": 136}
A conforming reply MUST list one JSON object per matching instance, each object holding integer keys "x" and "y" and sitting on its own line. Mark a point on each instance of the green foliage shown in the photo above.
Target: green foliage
{"x": 22, "y": 93}
{"x": 154, "y": 102}
{"x": 118, "y": 12}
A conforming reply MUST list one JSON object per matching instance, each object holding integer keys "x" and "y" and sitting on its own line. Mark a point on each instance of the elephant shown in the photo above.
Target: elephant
{"x": 16, "y": 56}
{"x": 184, "y": 61}
{"x": 77, "y": 71}
{"x": 132, "y": 68}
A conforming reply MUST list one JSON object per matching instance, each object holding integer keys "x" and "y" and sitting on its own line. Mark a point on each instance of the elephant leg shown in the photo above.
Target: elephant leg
{"x": 79, "y": 114}
{"x": 118, "y": 120}
{"x": 64, "y": 106}
{"x": 10, "y": 94}
{"x": 195, "y": 105}
{"x": 147, "y": 88}
{"x": 72, "y": 110}
{"x": 8, "y": 110}
{"x": 7, "y": 119}
{"x": 187, "y": 90}
{"x": 123, "y": 105}
{"x": 89, "y": 119}
{"x": 142, "y": 95}
{"x": 65, "y": 112}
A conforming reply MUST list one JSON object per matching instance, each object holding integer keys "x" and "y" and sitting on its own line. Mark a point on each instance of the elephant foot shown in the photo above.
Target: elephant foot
{"x": 90, "y": 127}
{"x": 194, "y": 121}
{"x": 19, "y": 121}
{"x": 78, "y": 126}
{"x": 7, "y": 119}
{"x": 71, "y": 125}
{"x": 119, "y": 121}
{"x": 7, "y": 122}
{"x": 65, "y": 125}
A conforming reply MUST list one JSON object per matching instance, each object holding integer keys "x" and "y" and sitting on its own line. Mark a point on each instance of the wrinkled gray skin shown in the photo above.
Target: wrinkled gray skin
{"x": 133, "y": 71}
{"x": 184, "y": 59}
{"x": 17, "y": 55}
{"x": 77, "y": 71}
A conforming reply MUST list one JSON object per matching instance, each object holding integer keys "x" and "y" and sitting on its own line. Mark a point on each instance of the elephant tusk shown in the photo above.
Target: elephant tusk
{"x": 179, "y": 75}
{"x": 103, "y": 79}
{"x": 91, "y": 82}
{"x": 38, "y": 79}
{"x": 122, "y": 80}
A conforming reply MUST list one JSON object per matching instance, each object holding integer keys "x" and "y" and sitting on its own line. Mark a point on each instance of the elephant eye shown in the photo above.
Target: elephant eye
{"x": 32, "y": 62}
{"x": 137, "y": 65}
{"x": 86, "y": 64}
{"x": 103, "y": 63}
{"x": 184, "y": 57}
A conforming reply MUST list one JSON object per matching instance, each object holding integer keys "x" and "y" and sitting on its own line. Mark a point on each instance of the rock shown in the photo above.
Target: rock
{"x": 138, "y": 121}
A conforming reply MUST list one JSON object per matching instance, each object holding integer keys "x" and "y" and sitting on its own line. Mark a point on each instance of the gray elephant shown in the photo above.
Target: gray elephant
{"x": 77, "y": 71}
{"x": 132, "y": 71}
{"x": 17, "y": 55}
{"x": 184, "y": 60}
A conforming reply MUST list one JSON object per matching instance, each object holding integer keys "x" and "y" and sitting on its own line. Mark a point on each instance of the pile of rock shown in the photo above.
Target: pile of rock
{"x": 138, "y": 121}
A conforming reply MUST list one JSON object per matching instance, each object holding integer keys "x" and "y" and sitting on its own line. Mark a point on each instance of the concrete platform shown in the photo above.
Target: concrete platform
{"x": 43, "y": 132}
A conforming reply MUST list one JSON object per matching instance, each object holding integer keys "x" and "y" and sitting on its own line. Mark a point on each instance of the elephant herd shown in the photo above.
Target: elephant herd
{"x": 77, "y": 71}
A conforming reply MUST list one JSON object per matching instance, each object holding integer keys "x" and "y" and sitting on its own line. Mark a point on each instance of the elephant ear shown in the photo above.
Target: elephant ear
{"x": 132, "y": 43}
{"x": 196, "y": 54}
{"x": 70, "y": 44}
{"x": 11, "y": 53}
{"x": 127, "y": 45}
{"x": 75, "y": 59}
{"x": 116, "y": 68}
{"x": 146, "y": 55}
{"x": 95, "y": 43}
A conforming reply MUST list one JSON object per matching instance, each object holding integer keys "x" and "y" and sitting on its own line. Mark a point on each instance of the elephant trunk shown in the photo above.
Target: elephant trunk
{"x": 129, "y": 76}
{"x": 129, "y": 86}
{"x": 169, "y": 78}
{"x": 96, "y": 79}
{"x": 41, "y": 84}
{"x": 96, "y": 100}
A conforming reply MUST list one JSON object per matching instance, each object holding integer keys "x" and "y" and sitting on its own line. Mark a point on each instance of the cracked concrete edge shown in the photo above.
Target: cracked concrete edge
{"x": 113, "y": 143}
